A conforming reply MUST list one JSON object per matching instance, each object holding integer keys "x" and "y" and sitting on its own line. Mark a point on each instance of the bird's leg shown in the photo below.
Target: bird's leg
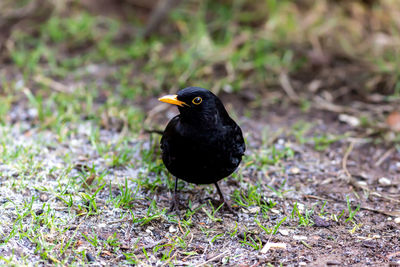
{"x": 222, "y": 199}
{"x": 175, "y": 199}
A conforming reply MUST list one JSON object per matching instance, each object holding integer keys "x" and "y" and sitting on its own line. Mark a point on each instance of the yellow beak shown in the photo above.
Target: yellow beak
{"x": 172, "y": 99}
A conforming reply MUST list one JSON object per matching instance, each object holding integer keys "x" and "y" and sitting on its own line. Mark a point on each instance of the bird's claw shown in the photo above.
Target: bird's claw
{"x": 227, "y": 206}
{"x": 175, "y": 205}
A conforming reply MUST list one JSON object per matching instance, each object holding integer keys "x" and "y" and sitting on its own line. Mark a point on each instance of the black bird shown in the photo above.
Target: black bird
{"x": 202, "y": 144}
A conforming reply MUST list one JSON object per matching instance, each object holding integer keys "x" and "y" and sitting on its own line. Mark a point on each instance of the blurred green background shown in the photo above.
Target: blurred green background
{"x": 104, "y": 61}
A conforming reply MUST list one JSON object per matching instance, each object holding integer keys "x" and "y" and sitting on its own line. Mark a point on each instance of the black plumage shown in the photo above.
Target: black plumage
{"x": 202, "y": 144}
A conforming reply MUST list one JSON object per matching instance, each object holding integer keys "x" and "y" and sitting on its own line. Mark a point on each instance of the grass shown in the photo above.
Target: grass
{"x": 78, "y": 179}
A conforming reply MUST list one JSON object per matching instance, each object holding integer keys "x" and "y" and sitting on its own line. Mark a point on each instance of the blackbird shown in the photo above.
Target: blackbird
{"x": 202, "y": 144}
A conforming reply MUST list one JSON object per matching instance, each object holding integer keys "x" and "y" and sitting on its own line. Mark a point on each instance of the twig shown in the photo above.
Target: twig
{"x": 389, "y": 213}
{"x": 384, "y": 157}
{"x": 213, "y": 258}
{"x": 288, "y": 88}
{"x": 357, "y": 185}
{"x": 120, "y": 221}
{"x": 180, "y": 227}
{"x": 266, "y": 248}
{"x": 384, "y": 197}
{"x": 52, "y": 84}
{"x": 345, "y": 158}
{"x": 321, "y": 103}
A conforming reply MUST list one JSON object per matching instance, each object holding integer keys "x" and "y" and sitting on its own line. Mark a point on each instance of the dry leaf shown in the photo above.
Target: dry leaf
{"x": 393, "y": 120}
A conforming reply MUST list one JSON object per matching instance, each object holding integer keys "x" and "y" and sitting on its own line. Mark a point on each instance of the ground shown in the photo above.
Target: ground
{"x": 81, "y": 177}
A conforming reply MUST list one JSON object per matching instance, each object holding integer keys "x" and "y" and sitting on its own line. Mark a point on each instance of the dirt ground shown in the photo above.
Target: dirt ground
{"x": 316, "y": 180}
{"x": 81, "y": 178}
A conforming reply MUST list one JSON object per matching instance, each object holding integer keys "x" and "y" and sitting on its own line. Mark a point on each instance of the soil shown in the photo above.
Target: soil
{"x": 310, "y": 178}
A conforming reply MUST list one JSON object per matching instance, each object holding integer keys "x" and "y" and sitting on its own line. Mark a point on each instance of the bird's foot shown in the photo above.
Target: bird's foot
{"x": 225, "y": 204}
{"x": 222, "y": 199}
{"x": 228, "y": 207}
{"x": 175, "y": 205}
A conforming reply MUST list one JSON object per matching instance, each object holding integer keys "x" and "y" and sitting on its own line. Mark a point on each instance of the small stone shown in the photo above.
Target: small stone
{"x": 365, "y": 175}
{"x": 320, "y": 222}
{"x": 102, "y": 225}
{"x": 281, "y": 141}
{"x": 254, "y": 209}
{"x": 90, "y": 257}
{"x": 351, "y": 120}
{"x": 275, "y": 211}
{"x": 300, "y": 206}
{"x": 44, "y": 197}
{"x": 362, "y": 183}
{"x": 227, "y": 88}
{"x": 172, "y": 229}
{"x": 39, "y": 212}
{"x": 283, "y": 232}
{"x": 385, "y": 181}
{"x": 299, "y": 237}
{"x": 302, "y": 263}
{"x": 294, "y": 170}
{"x": 397, "y": 220}
{"x": 33, "y": 113}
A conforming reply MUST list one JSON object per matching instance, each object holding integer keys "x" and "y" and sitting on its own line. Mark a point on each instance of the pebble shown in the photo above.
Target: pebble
{"x": 351, "y": 120}
{"x": 90, "y": 257}
{"x": 397, "y": 220}
{"x": 300, "y": 206}
{"x": 385, "y": 181}
{"x": 362, "y": 183}
{"x": 275, "y": 211}
{"x": 295, "y": 170}
{"x": 299, "y": 237}
{"x": 321, "y": 222}
{"x": 102, "y": 225}
{"x": 44, "y": 197}
{"x": 254, "y": 209}
{"x": 283, "y": 232}
{"x": 172, "y": 229}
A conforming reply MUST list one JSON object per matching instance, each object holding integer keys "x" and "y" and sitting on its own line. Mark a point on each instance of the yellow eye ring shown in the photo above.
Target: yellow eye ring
{"x": 197, "y": 100}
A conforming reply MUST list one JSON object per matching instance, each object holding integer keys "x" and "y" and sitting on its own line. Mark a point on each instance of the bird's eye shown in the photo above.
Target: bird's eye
{"x": 197, "y": 100}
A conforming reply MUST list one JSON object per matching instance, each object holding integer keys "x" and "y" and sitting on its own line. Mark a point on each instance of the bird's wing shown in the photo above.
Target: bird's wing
{"x": 168, "y": 132}
{"x": 236, "y": 140}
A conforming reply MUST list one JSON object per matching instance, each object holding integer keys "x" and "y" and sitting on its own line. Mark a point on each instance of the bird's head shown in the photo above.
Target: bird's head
{"x": 197, "y": 104}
